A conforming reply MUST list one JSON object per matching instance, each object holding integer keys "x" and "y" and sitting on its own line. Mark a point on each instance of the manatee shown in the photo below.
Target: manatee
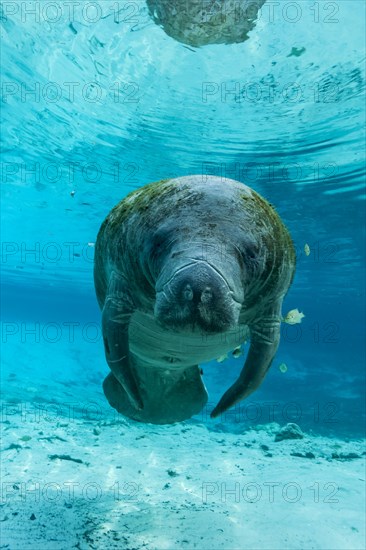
{"x": 185, "y": 271}
{"x": 201, "y": 22}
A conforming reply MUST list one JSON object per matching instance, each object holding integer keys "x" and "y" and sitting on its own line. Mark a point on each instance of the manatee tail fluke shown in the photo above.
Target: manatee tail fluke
{"x": 169, "y": 396}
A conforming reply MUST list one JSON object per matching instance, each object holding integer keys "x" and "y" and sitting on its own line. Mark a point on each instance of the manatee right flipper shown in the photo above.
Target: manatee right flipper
{"x": 117, "y": 311}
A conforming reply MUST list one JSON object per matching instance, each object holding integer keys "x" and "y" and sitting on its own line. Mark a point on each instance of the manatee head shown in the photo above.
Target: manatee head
{"x": 198, "y": 293}
{"x": 200, "y": 283}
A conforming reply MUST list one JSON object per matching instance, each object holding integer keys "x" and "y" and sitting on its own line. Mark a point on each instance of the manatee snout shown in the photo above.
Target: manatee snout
{"x": 197, "y": 295}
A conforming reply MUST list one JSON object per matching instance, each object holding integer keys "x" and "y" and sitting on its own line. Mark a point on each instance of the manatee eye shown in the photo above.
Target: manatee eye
{"x": 157, "y": 245}
{"x": 249, "y": 254}
{"x": 159, "y": 241}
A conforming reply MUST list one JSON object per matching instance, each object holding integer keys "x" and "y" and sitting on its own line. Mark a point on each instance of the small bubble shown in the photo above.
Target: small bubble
{"x": 283, "y": 367}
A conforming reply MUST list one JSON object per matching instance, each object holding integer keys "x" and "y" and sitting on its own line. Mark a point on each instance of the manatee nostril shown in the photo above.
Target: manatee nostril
{"x": 206, "y": 295}
{"x": 188, "y": 293}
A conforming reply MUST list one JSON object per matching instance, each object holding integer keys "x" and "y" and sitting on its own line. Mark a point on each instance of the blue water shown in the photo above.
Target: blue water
{"x": 96, "y": 106}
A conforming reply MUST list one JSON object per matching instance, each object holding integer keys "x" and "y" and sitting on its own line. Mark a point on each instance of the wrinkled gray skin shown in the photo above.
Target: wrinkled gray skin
{"x": 185, "y": 271}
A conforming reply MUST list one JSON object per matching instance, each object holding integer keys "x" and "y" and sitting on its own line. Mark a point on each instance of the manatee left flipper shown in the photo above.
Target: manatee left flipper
{"x": 117, "y": 311}
{"x": 265, "y": 337}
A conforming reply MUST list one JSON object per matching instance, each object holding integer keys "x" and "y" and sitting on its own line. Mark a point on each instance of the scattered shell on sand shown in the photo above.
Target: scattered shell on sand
{"x": 290, "y": 431}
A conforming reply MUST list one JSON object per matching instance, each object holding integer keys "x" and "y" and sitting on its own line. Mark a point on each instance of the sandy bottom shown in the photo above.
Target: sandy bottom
{"x": 81, "y": 478}
{"x": 77, "y": 475}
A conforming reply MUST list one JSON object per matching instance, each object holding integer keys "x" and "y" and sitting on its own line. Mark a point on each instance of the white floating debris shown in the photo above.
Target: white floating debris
{"x": 237, "y": 352}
